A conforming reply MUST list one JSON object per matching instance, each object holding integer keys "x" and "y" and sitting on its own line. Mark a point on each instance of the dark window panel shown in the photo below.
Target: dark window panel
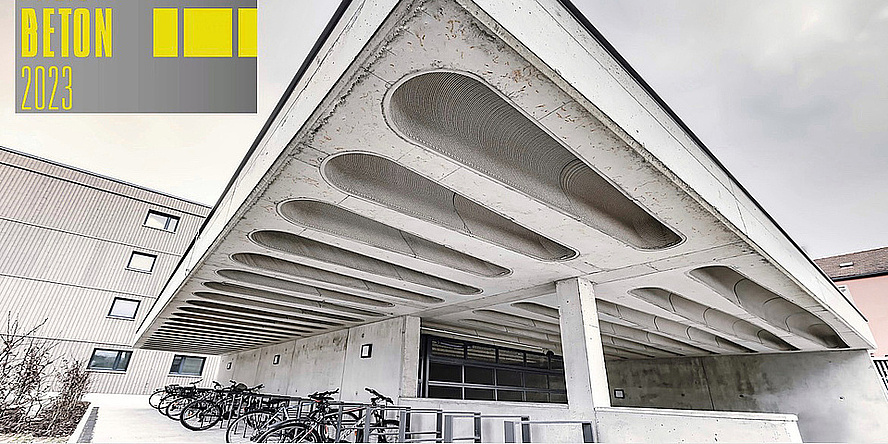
{"x": 535, "y": 380}
{"x": 556, "y": 382}
{"x": 479, "y": 375}
{"x": 560, "y": 398}
{"x": 508, "y": 377}
{"x": 537, "y": 397}
{"x": 480, "y": 394}
{"x": 445, "y": 372}
{"x": 445, "y": 392}
{"x": 509, "y": 395}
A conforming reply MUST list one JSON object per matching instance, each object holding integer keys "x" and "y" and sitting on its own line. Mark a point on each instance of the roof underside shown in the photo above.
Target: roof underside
{"x": 450, "y": 173}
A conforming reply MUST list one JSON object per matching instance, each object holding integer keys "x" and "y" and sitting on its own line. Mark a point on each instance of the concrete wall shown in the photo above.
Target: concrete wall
{"x": 333, "y": 360}
{"x": 615, "y": 424}
{"x": 869, "y": 295}
{"x": 836, "y": 394}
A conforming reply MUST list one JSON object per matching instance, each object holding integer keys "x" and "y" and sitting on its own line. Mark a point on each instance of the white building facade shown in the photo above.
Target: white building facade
{"x": 87, "y": 256}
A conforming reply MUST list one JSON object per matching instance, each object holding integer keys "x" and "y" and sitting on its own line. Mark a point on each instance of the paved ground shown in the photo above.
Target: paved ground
{"x": 129, "y": 419}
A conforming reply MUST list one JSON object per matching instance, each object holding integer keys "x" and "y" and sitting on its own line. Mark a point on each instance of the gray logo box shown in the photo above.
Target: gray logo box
{"x": 132, "y": 80}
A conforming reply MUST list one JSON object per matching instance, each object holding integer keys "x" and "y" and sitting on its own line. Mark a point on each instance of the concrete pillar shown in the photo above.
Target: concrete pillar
{"x": 584, "y": 372}
{"x": 410, "y": 357}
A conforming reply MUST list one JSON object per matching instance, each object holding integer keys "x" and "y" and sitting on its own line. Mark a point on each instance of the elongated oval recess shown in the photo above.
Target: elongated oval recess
{"x": 767, "y": 305}
{"x": 229, "y": 315}
{"x": 337, "y": 221}
{"x": 236, "y": 308}
{"x": 311, "y": 249}
{"x": 518, "y": 321}
{"x": 385, "y": 182}
{"x": 274, "y": 264}
{"x": 308, "y": 290}
{"x": 271, "y": 306}
{"x": 704, "y": 315}
{"x": 265, "y": 295}
{"x": 691, "y": 335}
{"x": 540, "y": 309}
{"x": 241, "y": 324}
{"x": 467, "y": 121}
{"x": 650, "y": 339}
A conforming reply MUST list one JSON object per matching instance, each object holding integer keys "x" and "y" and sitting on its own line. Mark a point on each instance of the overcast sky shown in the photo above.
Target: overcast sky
{"x": 792, "y": 96}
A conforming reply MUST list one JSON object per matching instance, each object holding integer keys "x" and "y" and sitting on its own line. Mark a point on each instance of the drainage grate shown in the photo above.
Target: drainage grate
{"x": 87, "y": 434}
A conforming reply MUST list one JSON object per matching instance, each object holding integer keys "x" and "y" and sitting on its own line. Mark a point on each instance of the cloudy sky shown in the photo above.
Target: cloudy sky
{"x": 792, "y": 96}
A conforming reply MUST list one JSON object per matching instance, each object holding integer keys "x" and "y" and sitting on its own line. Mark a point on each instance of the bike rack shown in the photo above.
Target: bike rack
{"x": 369, "y": 417}
{"x": 509, "y": 429}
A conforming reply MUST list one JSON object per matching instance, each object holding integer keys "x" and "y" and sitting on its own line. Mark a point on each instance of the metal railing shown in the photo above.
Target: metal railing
{"x": 396, "y": 423}
{"x": 509, "y": 429}
{"x": 882, "y": 368}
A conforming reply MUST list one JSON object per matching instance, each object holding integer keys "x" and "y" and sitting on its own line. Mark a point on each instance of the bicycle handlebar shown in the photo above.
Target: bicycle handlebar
{"x": 379, "y": 395}
{"x": 323, "y": 396}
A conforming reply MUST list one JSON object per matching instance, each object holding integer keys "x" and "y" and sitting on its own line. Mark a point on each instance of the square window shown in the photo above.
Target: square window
{"x": 161, "y": 221}
{"x": 124, "y": 308}
{"x": 187, "y": 365}
{"x": 141, "y": 262}
{"x": 111, "y": 360}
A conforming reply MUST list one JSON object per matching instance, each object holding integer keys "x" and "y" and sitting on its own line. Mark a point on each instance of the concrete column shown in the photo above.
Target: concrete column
{"x": 584, "y": 371}
{"x": 410, "y": 357}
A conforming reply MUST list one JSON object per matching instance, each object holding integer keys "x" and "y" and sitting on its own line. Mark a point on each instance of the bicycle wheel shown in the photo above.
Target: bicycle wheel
{"x": 154, "y": 399}
{"x": 248, "y": 426}
{"x": 378, "y": 431}
{"x": 165, "y": 401}
{"x": 290, "y": 432}
{"x": 347, "y": 433}
{"x": 174, "y": 409}
{"x": 200, "y": 415}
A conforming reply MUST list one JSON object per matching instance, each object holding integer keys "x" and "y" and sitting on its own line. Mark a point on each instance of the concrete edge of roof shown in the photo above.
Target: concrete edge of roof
{"x": 320, "y": 43}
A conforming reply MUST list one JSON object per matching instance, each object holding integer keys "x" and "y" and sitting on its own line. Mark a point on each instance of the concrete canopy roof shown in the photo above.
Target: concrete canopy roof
{"x": 452, "y": 159}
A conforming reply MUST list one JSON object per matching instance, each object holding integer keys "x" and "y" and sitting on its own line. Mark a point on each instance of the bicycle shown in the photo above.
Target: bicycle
{"x": 326, "y": 423}
{"x": 247, "y": 426}
{"x": 173, "y": 409}
{"x": 323, "y": 423}
{"x": 201, "y": 414}
{"x": 175, "y": 393}
{"x": 380, "y": 426}
{"x": 157, "y": 395}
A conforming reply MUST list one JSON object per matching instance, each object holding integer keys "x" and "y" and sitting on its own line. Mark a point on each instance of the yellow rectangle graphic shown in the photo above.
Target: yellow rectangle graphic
{"x": 247, "y": 32}
{"x": 166, "y": 32}
{"x": 208, "y": 32}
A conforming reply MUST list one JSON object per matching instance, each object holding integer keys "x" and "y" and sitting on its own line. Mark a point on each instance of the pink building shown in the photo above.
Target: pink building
{"x": 863, "y": 276}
